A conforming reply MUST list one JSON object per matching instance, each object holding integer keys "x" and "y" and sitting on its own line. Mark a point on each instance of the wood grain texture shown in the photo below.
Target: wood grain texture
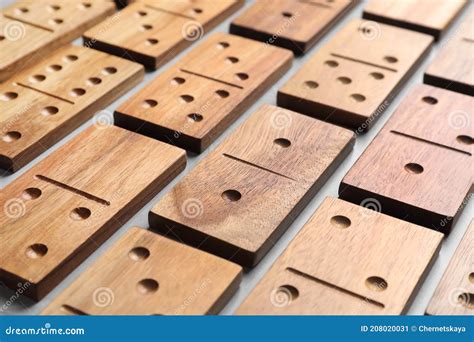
{"x": 192, "y": 103}
{"x": 346, "y": 260}
{"x": 241, "y": 198}
{"x": 455, "y": 293}
{"x": 46, "y": 102}
{"x": 32, "y": 29}
{"x": 432, "y": 17}
{"x": 62, "y": 209}
{"x": 293, "y": 24}
{"x": 157, "y": 30}
{"x": 419, "y": 167}
{"x": 453, "y": 67}
{"x": 162, "y": 277}
{"x": 354, "y": 77}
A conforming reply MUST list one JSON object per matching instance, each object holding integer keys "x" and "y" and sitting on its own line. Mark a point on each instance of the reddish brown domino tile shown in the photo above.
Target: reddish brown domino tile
{"x": 352, "y": 79}
{"x": 62, "y": 209}
{"x": 240, "y": 199}
{"x": 417, "y": 167}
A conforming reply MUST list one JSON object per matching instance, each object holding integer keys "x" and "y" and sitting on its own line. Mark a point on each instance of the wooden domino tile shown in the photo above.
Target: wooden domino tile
{"x": 62, "y": 209}
{"x": 157, "y": 30}
{"x": 293, "y": 24}
{"x": 455, "y": 292}
{"x": 163, "y": 277}
{"x": 192, "y": 103}
{"x": 30, "y": 30}
{"x": 432, "y": 17}
{"x": 46, "y": 102}
{"x": 239, "y": 200}
{"x": 353, "y": 78}
{"x": 418, "y": 166}
{"x": 452, "y": 68}
{"x": 346, "y": 260}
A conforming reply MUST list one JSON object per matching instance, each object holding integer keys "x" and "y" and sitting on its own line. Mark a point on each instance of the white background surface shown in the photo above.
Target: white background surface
{"x": 251, "y": 278}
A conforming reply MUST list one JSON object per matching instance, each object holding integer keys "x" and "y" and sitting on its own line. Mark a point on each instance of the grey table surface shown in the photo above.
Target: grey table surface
{"x": 24, "y": 306}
